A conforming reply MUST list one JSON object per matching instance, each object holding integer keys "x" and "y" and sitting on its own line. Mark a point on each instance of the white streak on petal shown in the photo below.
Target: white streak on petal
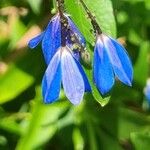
{"x": 73, "y": 82}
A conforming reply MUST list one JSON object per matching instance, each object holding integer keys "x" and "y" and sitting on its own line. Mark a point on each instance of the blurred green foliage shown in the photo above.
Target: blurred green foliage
{"x": 28, "y": 124}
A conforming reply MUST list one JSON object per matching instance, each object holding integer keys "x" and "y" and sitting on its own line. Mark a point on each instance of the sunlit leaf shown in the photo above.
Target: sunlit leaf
{"x": 13, "y": 82}
{"x": 103, "y": 11}
{"x": 35, "y": 5}
{"x": 78, "y": 140}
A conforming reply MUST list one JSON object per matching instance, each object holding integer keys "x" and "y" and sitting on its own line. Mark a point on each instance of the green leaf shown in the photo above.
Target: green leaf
{"x": 104, "y": 16}
{"x": 79, "y": 17}
{"x": 106, "y": 138}
{"x": 35, "y": 5}
{"x": 142, "y": 63}
{"x": 134, "y": 37}
{"x": 13, "y": 82}
{"x": 141, "y": 141}
{"x": 42, "y": 124}
{"x": 78, "y": 140}
{"x": 125, "y": 121}
{"x": 103, "y": 11}
{"x": 9, "y": 124}
{"x": 120, "y": 95}
{"x": 3, "y": 140}
{"x": 92, "y": 138}
{"x": 17, "y": 31}
{"x": 147, "y": 4}
{"x": 130, "y": 121}
{"x": 102, "y": 100}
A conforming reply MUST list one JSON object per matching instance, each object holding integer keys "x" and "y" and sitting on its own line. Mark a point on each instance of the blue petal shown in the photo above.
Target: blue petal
{"x": 35, "y": 41}
{"x": 51, "y": 83}
{"x": 76, "y": 54}
{"x": 120, "y": 61}
{"x": 52, "y": 39}
{"x": 72, "y": 79}
{"x": 74, "y": 28}
{"x": 86, "y": 82}
{"x": 103, "y": 72}
{"x": 147, "y": 93}
{"x": 147, "y": 90}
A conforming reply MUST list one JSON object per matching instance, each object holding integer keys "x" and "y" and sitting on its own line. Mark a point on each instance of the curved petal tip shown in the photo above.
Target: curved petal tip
{"x": 35, "y": 41}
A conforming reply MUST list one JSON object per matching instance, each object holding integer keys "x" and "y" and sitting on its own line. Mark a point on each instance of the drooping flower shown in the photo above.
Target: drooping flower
{"x": 62, "y": 61}
{"x": 110, "y": 60}
{"x": 147, "y": 90}
{"x": 64, "y": 68}
{"x": 51, "y": 37}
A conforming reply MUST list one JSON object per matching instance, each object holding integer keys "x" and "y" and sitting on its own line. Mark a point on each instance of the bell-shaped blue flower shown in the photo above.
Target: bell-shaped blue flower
{"x": 51, "y": 37}
{"x": 110, "y": 60}
{"x": 147, "y": 90}
{"x": 63, "y": 62}
{"x": 64, "y": 68}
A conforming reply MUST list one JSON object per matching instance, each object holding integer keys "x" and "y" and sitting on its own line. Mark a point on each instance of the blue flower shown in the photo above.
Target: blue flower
{"x": 64, "y": 68}
{"x": 63, "y": 62}
{"x": 147, "y": 90}
{"x": 51, "y": 37}
{"x": 110, "y": 60}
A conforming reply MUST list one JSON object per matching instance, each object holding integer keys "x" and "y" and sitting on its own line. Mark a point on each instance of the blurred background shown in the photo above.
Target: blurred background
{"x": 28, "y": 124}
